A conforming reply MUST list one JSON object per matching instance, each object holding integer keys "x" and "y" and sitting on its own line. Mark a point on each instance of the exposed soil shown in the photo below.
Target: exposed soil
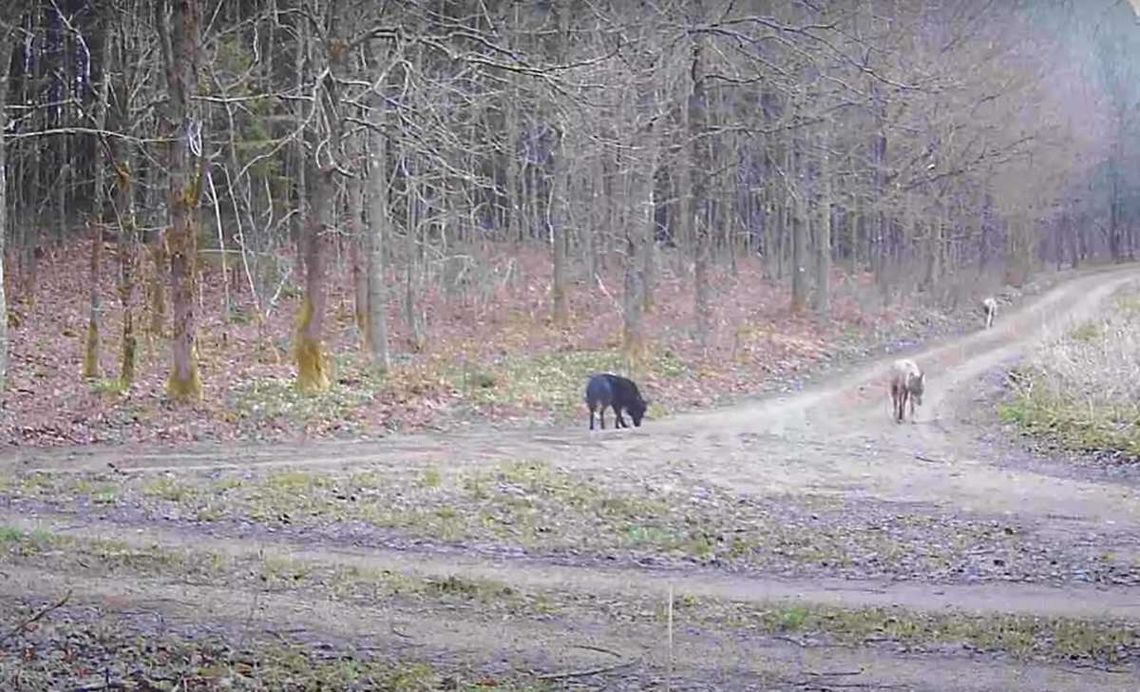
{"x": 811, "y": 499}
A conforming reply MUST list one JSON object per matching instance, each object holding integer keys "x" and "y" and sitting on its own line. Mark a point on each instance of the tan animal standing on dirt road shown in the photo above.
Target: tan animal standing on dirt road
{"x": 989, "y": 307}
{"x": 907, "y": 384}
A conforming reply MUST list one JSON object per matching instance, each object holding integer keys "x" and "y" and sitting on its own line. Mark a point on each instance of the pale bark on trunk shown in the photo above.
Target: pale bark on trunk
{"x": 128, "y": 254}
{"x": 800, "y": 231}
{"x": 358, "y": 256}
{"x": 699, "y": 161}
{"x": 556, "y": 232}
{"x": 379, "y": 220}
{"x": 181, "y": 26}
{"x": 413, "y": 244}
{"x": 822, "y": 295}
{"x": 299, "y": 221}
{"x": 7, "y": 43}
{"x": 91, "y": 348}
{"x": 641, "y": 195}
{"x": 157, "y": 265}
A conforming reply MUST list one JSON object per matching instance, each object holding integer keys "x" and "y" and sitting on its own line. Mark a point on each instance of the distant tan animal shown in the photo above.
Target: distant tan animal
{"x": 989, "y": 307}
{"x": 908, "y": 383}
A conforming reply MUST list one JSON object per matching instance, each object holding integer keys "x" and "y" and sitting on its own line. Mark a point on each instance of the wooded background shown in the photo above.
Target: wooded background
{"x": 396, "y": 146}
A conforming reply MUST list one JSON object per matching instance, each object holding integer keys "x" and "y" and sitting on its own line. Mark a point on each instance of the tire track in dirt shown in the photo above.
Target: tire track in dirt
{"x": 980, "y": 598}
{"x": 699, "y": 659}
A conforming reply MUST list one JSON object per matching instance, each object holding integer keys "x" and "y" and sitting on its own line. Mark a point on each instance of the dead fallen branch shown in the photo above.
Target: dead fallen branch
{"x": 36, "y": 617}
{"x": 599, "y": 670}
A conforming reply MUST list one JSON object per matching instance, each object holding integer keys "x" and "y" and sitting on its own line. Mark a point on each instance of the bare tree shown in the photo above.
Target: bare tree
{"x": 180, "y": 26}
{"x": 7, "y": 44}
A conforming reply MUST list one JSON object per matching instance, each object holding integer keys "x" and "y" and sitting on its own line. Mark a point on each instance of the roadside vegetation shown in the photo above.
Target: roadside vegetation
{"x": 1080, "y": 392}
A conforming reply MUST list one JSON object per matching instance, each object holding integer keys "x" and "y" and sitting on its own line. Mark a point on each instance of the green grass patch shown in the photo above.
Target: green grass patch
{"x": 278, "y": 399}
{"x": 1075, "y": 425}
{"x": 551, "y": 381}
{"x": 1081, "y": 391}
{"x": 108, "y": 387}
{"x": 1087, "y": 332}
{"x": 1020, "y": 636}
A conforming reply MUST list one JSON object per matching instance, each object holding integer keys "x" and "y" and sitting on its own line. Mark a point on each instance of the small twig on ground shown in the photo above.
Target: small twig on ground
{"x": 599, "y": 649}
{"x": 834, "y": 673}
{"x": 402, "y": 635}
{"x": 588, "y": 671}
{"x": 36, "y": 617}
{"x": 928, "y": 459}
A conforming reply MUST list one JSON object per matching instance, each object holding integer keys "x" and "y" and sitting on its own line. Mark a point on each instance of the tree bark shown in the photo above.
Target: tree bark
{"x": 822, "y": 295}
{"x": 7, "y": 43}
{"x": 800, "y": 230}
{"x": 91, "y": 349}
{"x": 698, "y": 179}
{"x": 312, "y": 366}
{"x": 379, "y": 220}
{"x": 128, "y": 253}
{"x": 358, "y": 252}
{"x": 181, "y": 41}
{"x": 633, "y": 326}
{"x": 556, "y": 232}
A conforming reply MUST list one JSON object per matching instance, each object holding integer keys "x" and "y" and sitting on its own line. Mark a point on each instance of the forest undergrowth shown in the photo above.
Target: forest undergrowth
{"x": 492, "y": 353}
{"x": 1079, "y": 392}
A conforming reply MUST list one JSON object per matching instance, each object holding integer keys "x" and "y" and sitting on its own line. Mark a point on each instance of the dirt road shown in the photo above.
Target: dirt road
{"x": 811, "y": 499}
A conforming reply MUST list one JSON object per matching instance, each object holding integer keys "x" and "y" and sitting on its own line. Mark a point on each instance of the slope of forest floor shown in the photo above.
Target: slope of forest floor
{"x": 802, "y": 540}
{"x": 491, "y": 353}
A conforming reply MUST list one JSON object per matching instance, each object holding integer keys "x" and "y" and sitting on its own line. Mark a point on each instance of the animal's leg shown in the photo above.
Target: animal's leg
{"x": 620, "y": 421}
{"x": 591, "y": 418}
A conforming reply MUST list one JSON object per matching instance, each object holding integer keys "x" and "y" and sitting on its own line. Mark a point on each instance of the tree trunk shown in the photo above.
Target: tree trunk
{"x": 312, "y": 367}
{"x": 822, "y": 295}
{"x": 91, "y": 347}
{"x": 128, "y": 253}
{"x": 180, "y": 36}
{"x": 379, "y": 219}
{"x": 413, "y": 244}
{"x": 633, "y": 333}
{"x": 698, "y": 172}
{"x": 299, "y": 221}
{"x": 156, "y": 254}
{"x": 7, "y": 43}
{"x": 91, "y": 369}
{"x": 633, "y": 326}
{"x": 556, "y": 223}
{"x": 800, "y": 230}
{"x": 358, "y": 241}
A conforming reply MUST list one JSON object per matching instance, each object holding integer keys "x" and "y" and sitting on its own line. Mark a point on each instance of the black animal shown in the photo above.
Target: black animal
{"x": 617, "y": 392}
